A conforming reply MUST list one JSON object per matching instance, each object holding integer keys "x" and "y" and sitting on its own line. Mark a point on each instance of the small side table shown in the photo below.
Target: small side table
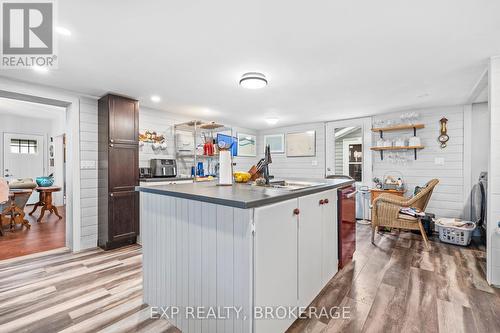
{"x": 45, "y": 201}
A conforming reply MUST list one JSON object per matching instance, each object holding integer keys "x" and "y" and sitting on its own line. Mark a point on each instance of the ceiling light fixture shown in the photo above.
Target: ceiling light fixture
{"x": 272, "y": 121}
{"x": 253, "y": 80}
{"x": 155, "y": 98}
{"x": 63, "y": 31}
{"x": 40, "y": 69}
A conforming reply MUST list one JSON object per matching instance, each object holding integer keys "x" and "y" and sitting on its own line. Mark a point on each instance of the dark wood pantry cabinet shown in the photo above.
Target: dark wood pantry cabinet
{"x": 118, "y": 154}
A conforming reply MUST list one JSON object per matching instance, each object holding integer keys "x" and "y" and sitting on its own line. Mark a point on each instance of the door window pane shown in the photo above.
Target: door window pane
{"x": 20, "y": 146}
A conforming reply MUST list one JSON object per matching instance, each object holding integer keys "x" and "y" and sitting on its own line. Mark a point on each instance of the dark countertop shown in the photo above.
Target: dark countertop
{"x": 163, "y": 179}
{"x": 240, "y": 195}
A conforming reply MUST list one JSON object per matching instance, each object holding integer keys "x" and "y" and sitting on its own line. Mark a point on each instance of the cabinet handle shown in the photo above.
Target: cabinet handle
{"x": 321, "y": 201}
{"x": 296, "y": 211}
{"x": 111, "y": 140}
{"x": 327, "y": 201}
{"x": 111, "y": 145}
{"x": 111, "y": 195}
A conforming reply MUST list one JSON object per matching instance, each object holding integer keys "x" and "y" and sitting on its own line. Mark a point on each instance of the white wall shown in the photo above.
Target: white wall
{"x": 480, "y": 141}
{"x": 493, "y": 241}
{"x": 162, "y": 122}
{"x": 10, "y": 123}
{"x": 298, "y": 167}
{"x": 24, "y": 125}
{"x": 88, "y": 177}
{"x": 448, "y": 197}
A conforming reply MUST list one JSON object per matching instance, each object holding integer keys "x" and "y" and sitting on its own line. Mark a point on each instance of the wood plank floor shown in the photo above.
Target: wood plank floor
{"x": 396, "y": 286}
{"x": 399, "y": 286}
{"x": 48, "y": 235}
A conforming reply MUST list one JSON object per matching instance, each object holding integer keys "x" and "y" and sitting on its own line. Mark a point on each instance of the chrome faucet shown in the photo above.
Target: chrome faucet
{"x": 267, "y": 160}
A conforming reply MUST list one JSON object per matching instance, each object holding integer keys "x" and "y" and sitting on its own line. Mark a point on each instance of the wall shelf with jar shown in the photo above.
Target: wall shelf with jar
{"x": 196, "y": 147}
{"x": 413, "y": 143}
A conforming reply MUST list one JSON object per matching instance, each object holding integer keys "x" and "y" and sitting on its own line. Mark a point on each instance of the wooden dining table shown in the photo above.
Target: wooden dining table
{"x": 45, "y": 201}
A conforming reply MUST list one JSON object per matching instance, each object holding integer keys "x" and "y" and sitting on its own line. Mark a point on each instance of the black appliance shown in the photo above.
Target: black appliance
{"x": 163, "y": 168}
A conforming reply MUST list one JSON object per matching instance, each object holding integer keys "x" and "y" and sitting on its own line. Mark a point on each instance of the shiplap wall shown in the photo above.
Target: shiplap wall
{"x": 493, "y": 251}
{"x": 149, "y": 119}
{"x": 448, "y": 197}
{"x": 297, "y": 167}
{"x": 197, "y": 254}
{"x": 163, "y": 122}
{"x": 88, "y": 178}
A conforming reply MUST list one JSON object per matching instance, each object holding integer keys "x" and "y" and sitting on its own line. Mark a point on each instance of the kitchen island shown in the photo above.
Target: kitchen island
{"x": 221, "y": 258}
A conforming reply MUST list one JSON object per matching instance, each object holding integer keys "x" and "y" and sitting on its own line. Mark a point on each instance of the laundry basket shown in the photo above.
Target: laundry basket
{"x": 459, "y": 234}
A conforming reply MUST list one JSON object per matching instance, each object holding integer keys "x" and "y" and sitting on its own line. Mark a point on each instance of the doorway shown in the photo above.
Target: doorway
{"x": 348, "y": 153}
{"x": 31, "y": 148}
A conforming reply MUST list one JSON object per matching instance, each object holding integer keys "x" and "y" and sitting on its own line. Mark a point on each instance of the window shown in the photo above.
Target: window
{"x": 20, "y": 146}
{"x": 355, "y": 161}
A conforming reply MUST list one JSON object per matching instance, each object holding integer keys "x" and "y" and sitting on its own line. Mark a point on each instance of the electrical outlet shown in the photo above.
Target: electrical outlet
{"x": 88, "y": 165}
{"x": 439, "y": 160}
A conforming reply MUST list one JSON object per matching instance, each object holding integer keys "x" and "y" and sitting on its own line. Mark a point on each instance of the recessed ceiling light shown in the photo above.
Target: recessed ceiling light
{"x": 253, "y": 80}
{"x": 155, "y": 98}
{"x": 40, "y": 69}
{"x": 272, "y": 121}
{"x": 63, "y": 31}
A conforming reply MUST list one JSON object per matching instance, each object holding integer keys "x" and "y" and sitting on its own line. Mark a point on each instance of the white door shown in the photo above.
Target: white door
{"x": 275, "y": 248}
{"x": 310, "y": 247}
{"x": 23, "y": 157}
{"x": 340, "y": 135}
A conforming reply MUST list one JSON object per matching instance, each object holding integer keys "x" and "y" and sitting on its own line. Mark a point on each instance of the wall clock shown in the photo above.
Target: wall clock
{"x": 443, "y": 138}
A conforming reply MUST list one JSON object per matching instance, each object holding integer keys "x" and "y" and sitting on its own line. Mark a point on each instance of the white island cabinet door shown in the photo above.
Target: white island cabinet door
{"x": 275, "y": 263}
{"x": 310, "y": 247}
{"x": 330, "y": 236}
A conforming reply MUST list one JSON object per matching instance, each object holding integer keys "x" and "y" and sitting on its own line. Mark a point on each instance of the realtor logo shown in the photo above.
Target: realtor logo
{"x": 28, "y": 34}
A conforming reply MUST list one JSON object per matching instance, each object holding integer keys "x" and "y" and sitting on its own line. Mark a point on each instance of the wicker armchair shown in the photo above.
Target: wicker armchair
{"x": 385, "y": 212}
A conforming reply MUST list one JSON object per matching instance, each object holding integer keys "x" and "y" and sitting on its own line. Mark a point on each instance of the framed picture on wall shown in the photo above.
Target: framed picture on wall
{"x": 301, "y": 144}
{"x": 247, "y": 145}
{"x": 276, "y": 142}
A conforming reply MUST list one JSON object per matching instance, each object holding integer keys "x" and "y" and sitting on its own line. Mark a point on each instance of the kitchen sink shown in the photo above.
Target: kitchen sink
{"x": 293, "y": 185}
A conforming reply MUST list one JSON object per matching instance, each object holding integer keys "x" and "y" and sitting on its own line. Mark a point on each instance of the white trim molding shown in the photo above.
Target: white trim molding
{"x": 366, "y": 125}
{"x": 45, "y": 95}
{"x": 467, "y": 164}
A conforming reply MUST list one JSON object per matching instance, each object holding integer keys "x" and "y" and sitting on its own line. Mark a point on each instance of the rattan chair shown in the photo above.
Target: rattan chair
{"x": 386, "y": 207}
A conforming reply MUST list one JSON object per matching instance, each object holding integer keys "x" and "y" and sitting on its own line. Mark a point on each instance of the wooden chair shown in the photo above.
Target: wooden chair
{"x": 4, "y": 199}
{"x": 386, "y": 209}
{"x": 15, "y": 208}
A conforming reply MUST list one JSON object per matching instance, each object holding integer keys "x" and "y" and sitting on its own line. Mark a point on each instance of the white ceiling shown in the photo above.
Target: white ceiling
{"x": 325, "y": 60}
{"x": 32, "y": 110}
